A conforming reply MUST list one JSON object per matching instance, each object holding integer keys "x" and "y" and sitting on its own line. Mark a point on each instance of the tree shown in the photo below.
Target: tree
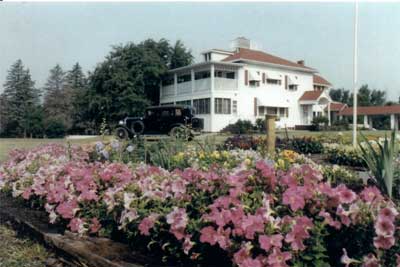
{"x": 20, "y": 99}
{"x": 129, "y": 79}
{"x": 57, "y": 99}
{"x": 180, "y": 55}
{"x": 340, "y": 95}
{"x": 77, "y": 89}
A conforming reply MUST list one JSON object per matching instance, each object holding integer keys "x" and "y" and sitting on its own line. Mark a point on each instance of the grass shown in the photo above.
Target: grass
{"x": 18, "y": 252}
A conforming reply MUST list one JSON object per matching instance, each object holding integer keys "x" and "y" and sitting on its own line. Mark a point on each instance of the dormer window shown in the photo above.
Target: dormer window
{"x": 274, "y": 81}
{"x": 293, "y": 87}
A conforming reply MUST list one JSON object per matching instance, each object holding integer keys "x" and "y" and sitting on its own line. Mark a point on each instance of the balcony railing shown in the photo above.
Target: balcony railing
{"x": 202, "y": 85}
{"x": 184, "y": 88}
{"x": 225, "y": 84}
{"x": 168, "y": 90}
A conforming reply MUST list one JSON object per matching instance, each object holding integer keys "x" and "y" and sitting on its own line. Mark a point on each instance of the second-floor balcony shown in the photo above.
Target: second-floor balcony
{"x": 215, "y": 78}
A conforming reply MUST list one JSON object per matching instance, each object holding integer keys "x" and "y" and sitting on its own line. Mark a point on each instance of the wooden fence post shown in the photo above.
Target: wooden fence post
{"x": 271, "y": 136}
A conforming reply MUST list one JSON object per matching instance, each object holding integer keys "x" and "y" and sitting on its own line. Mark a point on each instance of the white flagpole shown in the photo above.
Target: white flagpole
{"x": 355, "y": 76}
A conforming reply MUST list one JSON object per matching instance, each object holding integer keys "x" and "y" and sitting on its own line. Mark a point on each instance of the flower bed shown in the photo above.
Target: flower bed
{"x": 248, "y": 212}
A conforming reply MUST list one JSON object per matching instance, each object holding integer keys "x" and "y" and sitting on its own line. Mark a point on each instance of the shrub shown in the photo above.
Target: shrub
{"x": 305, "y": 145}
{"x": 239, "y": 127}
{"x": 344, "y": 155}
{"x": 319, "y": 123}
{"x": 55, "y": 129}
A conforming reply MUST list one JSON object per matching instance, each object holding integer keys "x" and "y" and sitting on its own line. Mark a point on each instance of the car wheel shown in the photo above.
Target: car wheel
{"x": 137, "y": 127}
{"x": 180, "y": 132}
{"x": 122, "y": 133}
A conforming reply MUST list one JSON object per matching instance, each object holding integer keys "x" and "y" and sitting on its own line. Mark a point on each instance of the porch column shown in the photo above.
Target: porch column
{"x": 329, "y": 113}
{"x": 193, "y": 80}
{"x": 175, "y": 84}
{"x": 392, "y": 121}
{"x": 366, "y": 122}
{"x": 371, "y": 125}
{"x": 212, "y": 77}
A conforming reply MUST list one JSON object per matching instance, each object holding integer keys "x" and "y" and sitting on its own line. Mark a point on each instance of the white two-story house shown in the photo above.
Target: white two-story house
{"x": 247, "y": 84}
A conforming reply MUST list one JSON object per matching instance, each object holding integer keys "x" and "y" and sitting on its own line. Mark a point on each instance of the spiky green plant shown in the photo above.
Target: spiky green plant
{"x": 381, "y": 161}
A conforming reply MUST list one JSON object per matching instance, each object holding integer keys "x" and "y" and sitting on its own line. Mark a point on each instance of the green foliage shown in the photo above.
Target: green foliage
{"x": 381, "y": 161}
{"x": 305, "y": 145}
{"x": 19, "y": 100}
{"x": 160, "y": 153}
{"x": 337, "y": 175}
{"x": 55, "y": 129}
{"x": 239, "y": 127}
{"x": 344, "y": 155}
{"x": 318, "y": 122}
{"x": 129, "y": 79}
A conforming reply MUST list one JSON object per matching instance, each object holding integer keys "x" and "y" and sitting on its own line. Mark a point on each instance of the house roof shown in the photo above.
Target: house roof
{"x": 337, "y": 106}
{"x": 373, "y": 110}
{"x": 311, "y": 95}
{"x": 320, "y": 80}
{"x": 260, "y": 56}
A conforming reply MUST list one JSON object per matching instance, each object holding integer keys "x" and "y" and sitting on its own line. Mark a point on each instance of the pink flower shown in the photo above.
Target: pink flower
{"x": 252, "y": 224}
{"x": 293, "y": 196}
{"x": 250, "y": 262}
{"x": 267, "y": 171}
{"x": 370, "y": 193}
{"x": 178, "y": 220}
{"x": 266, "y": 242}
{"x": 211, "y": 236}
{"x": 370, "y": 261}
{"x": 278, "y": 258}
{"x": 242, "y": 254}
{"x": 147, "y": 223}
{"x": 384, "y": 242}
{"x": 67, "y": 209}
{"x": 27, "y": 193}
{"x": 299, "y": 233}
{"x": 388, "y": 213}
{"x": 384, "y": 227}
{"x": 329, "y": 220}
{"x": 77, "y": 225}
{"x": 95, "y": 226}
{"x": 346, "y": 195}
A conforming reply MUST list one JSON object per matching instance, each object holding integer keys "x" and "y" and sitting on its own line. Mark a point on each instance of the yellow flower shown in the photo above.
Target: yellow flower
{"x": 215, "y": 155}
{"x": 201, "y": 155}
{"x": 247, "y": 161}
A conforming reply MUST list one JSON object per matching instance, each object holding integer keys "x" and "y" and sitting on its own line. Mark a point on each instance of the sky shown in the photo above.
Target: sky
{"x": 44, "y": 34}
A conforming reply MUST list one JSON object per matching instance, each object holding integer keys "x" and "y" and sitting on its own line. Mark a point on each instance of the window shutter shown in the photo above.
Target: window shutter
{"x": 246, "y": 77}
{"x": 263, "y": 77}
{"x": 286, "y": 82}
{"x": 255, "y": 106}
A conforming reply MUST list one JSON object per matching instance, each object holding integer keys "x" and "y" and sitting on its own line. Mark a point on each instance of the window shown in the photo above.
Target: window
{"x": 230, "y": 75}
{"x": 166, "y": 113}
{"x": 202, "y": 106}
{"x": 254, "y": 83}
{"x": 234, "y": 107}
{"x": 274, "y": 81}
{"x": 184, "y": 103}
{"x": 283, "y": 112}
{"x": 222, "y": 106}
{"x": 178, "y": 112}
{"x": 184, "y": 78}
{"x": 168, "y": 81}
{"x": 218, "y": 73}
{"x": 202, "y": 75}
{"x": 293, "y": 87}
{"x": 272, "y": 111}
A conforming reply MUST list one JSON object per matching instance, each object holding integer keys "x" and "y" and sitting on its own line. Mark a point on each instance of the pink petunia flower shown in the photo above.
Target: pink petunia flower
{"x": 147, "y": 224}
{"x": 278, "y": 258}
{"x": 389, "y": 213}
{"x": 371, "y": 193}
{"x": 370, "y": 261}
{"x": 384, "y": 242}
{"x": 266, "y": 242}
{"x": 346, "y": 260}
{"x": 384, "y": 227}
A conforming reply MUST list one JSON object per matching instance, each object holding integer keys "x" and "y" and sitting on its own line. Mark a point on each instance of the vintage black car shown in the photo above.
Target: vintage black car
{"x": 174, "y": 120}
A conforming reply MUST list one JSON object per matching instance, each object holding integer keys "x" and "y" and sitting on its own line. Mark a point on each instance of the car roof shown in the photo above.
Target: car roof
{"x": 168, "y": 106}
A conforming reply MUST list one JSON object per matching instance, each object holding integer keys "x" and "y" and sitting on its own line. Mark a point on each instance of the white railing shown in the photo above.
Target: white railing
{"x": 225, "y": 84}
{"x": 168, "y": 90}
{"x": 185, "y": 87}
{"x": 202, "y": 85}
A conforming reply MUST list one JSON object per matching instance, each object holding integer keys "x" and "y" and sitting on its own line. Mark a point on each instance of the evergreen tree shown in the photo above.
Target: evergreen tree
{"x": 57, "y": 104}
{"x": 75, "y": 78}
{"x": 20, "y": 98}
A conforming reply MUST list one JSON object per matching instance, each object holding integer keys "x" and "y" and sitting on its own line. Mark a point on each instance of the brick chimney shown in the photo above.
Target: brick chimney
{"x": 301, "y": 62}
